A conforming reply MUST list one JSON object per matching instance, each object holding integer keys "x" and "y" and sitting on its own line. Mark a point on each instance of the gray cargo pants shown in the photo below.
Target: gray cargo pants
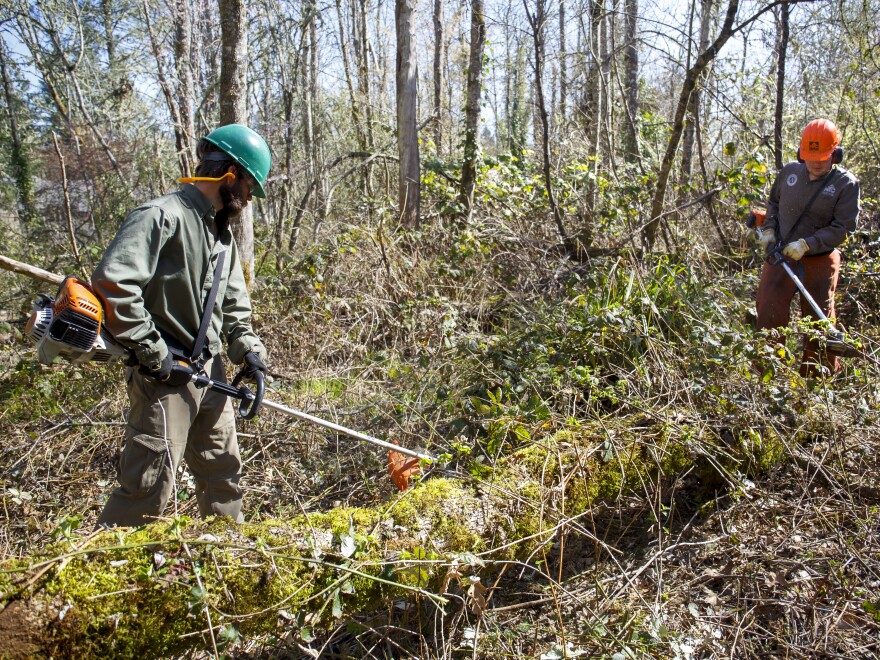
{"x": 167, "y": 424}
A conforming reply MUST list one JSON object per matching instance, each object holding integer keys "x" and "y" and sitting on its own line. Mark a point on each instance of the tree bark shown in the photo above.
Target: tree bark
{"x": 31, "y": 271}
{"x": 21, "y": 163}
{"x": 109, "y": 38}
{"x": 632, "y": 152}
{"x": 563, "y": 74}
{"x": 233, "y": 108}
{"x": 438, "y": 75}
{"x": 605, "y": 91}
{"x": 185, "y": 87}
{"x": 536, "y": 22}
{"x": 409, "y": 193}
{"x": 174, "y": 109}
{"x": 593, "y": 94}
{"x": 346, "y": 65}
{"x": 689, "y": 135}
{"x": 781, "y": 53}
{"x": 690, "y": 81}
{"x": 472, "y": 106}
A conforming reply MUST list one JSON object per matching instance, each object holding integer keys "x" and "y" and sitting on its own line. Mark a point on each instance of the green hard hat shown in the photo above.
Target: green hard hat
{"x": 247, "y": 148}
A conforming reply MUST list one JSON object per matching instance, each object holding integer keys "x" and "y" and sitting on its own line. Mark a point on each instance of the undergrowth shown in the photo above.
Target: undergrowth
{"x": 622, "y": 409}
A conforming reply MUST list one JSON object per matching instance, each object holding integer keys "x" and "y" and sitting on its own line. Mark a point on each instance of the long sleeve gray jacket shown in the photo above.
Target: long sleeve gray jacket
{"x": 831, "y": 217}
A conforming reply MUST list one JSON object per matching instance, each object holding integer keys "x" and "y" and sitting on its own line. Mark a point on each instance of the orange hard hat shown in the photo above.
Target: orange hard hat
{"x": 819, "y": 140}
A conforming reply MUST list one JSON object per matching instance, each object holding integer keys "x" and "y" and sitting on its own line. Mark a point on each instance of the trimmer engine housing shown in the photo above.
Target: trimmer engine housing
{"x": 71, "y": 326}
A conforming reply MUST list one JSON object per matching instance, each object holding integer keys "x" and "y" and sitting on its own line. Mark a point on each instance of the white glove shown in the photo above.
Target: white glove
{"x": 796, "y": 249}
{"x": 766, "y": 238}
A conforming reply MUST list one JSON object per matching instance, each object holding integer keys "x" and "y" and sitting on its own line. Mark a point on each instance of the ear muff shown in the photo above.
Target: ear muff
{"x": 798, "y": 156}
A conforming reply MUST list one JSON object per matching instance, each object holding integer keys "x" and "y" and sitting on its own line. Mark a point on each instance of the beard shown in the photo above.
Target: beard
{"x": 233, "y": 204}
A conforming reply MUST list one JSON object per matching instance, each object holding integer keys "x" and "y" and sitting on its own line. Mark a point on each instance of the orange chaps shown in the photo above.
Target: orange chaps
{"x": 775, "y": 291}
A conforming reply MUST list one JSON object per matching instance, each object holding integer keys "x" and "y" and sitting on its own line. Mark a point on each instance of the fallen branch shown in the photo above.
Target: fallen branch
{"x": 31, "y": 271}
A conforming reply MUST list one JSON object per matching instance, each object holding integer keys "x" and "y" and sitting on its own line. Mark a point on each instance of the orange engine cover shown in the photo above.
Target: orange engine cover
{"x": 77, "y": 296}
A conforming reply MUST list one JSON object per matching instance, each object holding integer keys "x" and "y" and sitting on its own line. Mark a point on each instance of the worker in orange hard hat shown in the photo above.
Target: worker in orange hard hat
{"x": 813, "y": 205}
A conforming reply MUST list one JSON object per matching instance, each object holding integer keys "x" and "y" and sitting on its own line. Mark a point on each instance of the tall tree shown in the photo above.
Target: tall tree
{"x": 409, "y": 192}
{"x": 346, "y": 67}
{"x": 690, "y": 81}
{"x": 438, "y": 75}
{"x": 20, "y": 159}
{"x": 233, "y": 107}
{"x": 185, "y": 89}
{"x": 537, "y": 22}
{"x": 472, "y": 105}
{"x": 781, "y": 53}
{"x": 593, "y": 101}
{"x": 631, "y": 150}
{"x": 690, "y": 128}
{"x": 563, "y": 65}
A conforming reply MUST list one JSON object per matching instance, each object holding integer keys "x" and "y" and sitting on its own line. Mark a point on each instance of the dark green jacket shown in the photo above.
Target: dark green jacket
{"x": 157, "y": 273}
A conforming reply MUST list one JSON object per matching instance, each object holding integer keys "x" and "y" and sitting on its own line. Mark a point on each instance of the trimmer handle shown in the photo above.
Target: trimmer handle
{"x": 250, "y": 402}
{"x": 774, "y": 256}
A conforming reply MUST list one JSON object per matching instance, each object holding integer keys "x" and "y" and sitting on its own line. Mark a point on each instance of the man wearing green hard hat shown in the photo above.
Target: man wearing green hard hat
{"x": 173, "y": 292}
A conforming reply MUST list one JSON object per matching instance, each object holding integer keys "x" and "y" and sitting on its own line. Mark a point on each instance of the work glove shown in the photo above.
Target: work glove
{"x": 169, "y": 372}
{"x": 766, "y": 238}
{"x": 161, "y": 372}
{"x": 796, "y": 249}
{"x": 253, "y": 364}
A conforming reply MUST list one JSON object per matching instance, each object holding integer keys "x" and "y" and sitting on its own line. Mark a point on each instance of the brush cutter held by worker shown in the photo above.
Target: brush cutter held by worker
{"x": 834, "y": 342}
{"x": 72, "y": 326}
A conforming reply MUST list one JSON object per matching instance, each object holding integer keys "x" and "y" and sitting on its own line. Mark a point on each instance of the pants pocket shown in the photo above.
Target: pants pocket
{"x": 144, "y": 459}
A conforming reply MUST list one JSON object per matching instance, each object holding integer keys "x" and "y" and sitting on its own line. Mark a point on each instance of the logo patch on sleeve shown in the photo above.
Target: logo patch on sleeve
{"x": 791, "y": 180}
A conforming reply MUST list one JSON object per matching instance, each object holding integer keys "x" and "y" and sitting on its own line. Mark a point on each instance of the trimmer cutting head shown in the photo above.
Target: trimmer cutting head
{"x": 836, "y": 344}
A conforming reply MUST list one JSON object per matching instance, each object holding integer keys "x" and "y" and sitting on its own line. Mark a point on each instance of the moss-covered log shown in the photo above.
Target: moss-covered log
{"x": 151, "y": 592}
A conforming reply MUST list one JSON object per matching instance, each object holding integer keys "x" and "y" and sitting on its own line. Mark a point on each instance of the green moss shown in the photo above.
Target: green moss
{"x": 339, "y": 520}
{"x": 763, "y": 449}
{"x": 123, "y": 599}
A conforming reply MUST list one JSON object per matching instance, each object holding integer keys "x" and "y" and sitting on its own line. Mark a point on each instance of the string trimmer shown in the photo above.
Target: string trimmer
{"x": 71, "y": 326}
{"x": 835, "y": 342}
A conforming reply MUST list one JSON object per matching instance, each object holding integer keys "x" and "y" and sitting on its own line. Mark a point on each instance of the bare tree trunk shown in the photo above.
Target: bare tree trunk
{"x": 233, "y": 108}
{"x": 209, "y": 65}
{"x": 346, "y": 65}
{"x": 508, "y": 97}
{"x": 174, "y": 108}
{"x": 632, "y": 152}
{"x": 409, "y": 193}
{"x": 65, "y": 187}
{"x": 316, "y": 158}
{"x": 605, "y": 39}
{"x": 563, "y": 79}
{"x": 47, "y": 73}
{"x": 781, "y": 52}
{"x": 21, "y": 164}
{"x": 536, "y": 22}
{"x": 233, "y": 62}
{"x": 472, "y": 106}
{"x": 593, "y": 100}
{"x": 364, "y": 69}
{"x": 690, "y": 82}
{"x": 438, "y": 75}
{"x": 308, "y": 124}
{"x": 688, "y": 138}
{"x": 185, "y": 88}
